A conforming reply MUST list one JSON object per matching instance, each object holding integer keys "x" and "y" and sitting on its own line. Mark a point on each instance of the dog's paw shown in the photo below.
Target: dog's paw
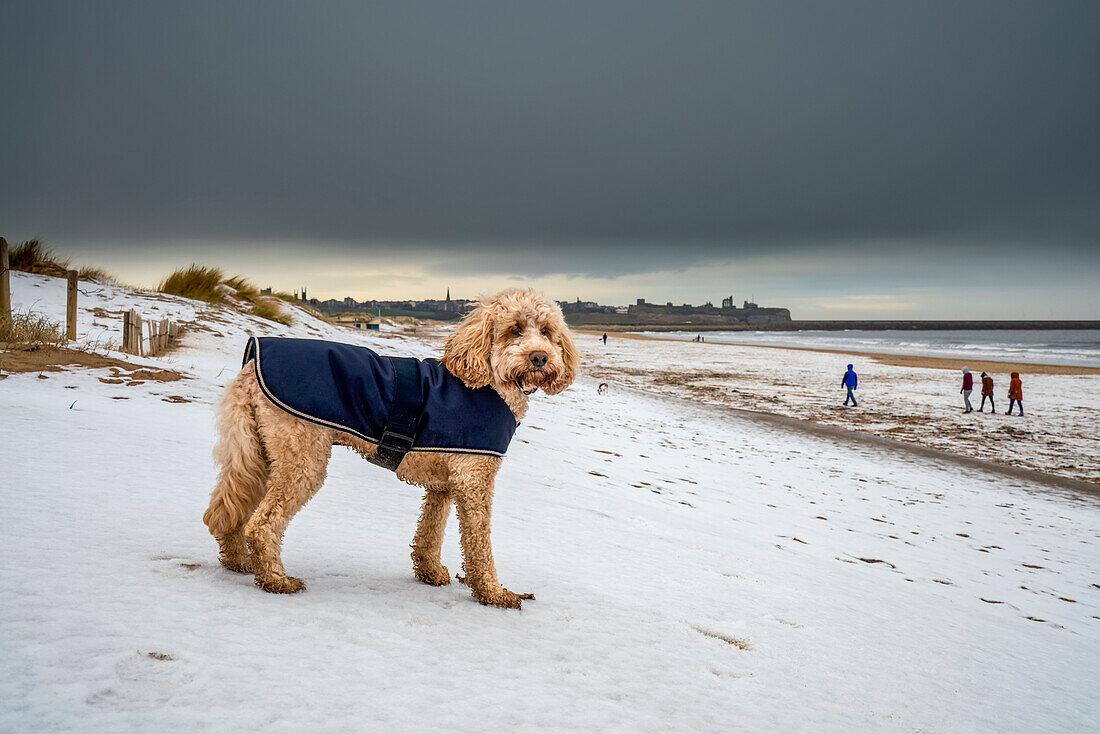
{"x": 281, "y": 584}
{"x": 503, "y": 598}
{"x": 437, "y": 576}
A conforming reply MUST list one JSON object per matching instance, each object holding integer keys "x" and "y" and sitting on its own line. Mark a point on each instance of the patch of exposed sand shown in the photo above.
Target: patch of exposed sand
{"x": 58, "y": 359}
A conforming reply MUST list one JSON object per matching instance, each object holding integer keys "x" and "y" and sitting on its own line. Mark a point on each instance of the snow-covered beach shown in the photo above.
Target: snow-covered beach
{"x": 915, "y": 400}
{"x": 695, "y": 569}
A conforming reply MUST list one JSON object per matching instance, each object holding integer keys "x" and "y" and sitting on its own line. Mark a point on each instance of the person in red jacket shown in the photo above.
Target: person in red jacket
{"x": 1015, "y": 393}
{"x": 967, "y": 388}
{"x": 987, "y": 392}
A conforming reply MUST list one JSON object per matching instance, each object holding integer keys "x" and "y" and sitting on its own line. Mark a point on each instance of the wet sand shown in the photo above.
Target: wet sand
{"x": 897, "y": 360}
{"x": 908, "y": 398}
{"x": 1076, "y": 488}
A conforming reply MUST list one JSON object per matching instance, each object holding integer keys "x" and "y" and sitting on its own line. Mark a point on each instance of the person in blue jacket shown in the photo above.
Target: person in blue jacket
{"x": 849, "y": 381}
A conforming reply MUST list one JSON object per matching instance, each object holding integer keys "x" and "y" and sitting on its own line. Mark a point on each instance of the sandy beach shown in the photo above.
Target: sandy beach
{"x": 914, "y": 399}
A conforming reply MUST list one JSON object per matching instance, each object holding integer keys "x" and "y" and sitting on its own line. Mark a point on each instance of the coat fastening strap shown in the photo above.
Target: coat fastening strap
{"x": 408, "y": 401}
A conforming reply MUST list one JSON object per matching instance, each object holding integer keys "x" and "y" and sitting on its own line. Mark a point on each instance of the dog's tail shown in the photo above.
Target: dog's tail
{"x": 240, "y": 454}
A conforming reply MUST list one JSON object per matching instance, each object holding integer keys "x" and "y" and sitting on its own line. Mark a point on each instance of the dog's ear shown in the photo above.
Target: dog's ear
{"x": 466, "y": 351}
{"x": 570, "y": 360}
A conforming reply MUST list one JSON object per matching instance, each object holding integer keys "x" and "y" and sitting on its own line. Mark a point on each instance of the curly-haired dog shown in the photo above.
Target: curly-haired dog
{"x": 272, "y": 462}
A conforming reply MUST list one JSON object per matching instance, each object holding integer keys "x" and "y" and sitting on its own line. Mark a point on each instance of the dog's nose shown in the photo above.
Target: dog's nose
{"x": 538, "y": 359}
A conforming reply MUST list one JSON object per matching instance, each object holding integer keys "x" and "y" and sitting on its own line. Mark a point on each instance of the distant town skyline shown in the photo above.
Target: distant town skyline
{"x": 813, "y": 285}
{"x": 846, "y": 160}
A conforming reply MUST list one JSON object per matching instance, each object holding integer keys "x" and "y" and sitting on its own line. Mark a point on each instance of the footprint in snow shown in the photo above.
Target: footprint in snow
{"x": 144, "y": 679}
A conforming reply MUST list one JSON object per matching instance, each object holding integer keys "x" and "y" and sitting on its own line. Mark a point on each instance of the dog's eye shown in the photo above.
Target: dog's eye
{"x": 544, "y": 331}
{"x": 517, "y": 329}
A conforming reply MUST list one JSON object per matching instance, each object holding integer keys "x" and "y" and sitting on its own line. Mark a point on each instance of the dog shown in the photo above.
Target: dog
{"x": 271, "y": 461}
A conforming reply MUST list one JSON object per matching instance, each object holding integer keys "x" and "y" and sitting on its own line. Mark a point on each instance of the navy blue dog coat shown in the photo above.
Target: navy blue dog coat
{"x": 400, "y": 404}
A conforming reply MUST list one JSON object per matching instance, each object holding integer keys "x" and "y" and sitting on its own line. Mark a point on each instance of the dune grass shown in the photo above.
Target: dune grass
{"x": 33, "y": 256}
{"x": 212, "y": 285}
{"x": 245, "y": 290}
{"x": 270, "y": 308}
{"x": 207, "y": 284}
{"x": 96, "y": 275}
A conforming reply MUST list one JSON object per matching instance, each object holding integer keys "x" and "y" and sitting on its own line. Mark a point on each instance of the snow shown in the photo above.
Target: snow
{"x": 649, "y": 528}
{"x": 912, "y": 404}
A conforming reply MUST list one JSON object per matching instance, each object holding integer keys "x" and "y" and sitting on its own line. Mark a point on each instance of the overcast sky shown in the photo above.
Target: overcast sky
{"x": 846, "y": 159}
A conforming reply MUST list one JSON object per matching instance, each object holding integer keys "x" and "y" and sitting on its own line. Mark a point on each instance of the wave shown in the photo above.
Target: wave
{"x": 1076, "y": 347}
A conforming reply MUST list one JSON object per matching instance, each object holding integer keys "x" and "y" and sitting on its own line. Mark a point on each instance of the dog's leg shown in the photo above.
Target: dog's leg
{"x": 233, "y": 551}
{"x": 299, "y": 458}
{"x": 242, "y": 475}
{"x": 427, "y": 564}
{"x": 474, "y": 502}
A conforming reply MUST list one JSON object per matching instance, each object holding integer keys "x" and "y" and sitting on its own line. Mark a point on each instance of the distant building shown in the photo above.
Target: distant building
{"x": 579, "y": 306}
{"x": 356, "y": 321}
{"x": 749, "y": 313}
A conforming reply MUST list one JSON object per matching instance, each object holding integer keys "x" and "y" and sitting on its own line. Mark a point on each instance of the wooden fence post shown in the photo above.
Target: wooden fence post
{"x": 132, "y": 337}
{"x": 135, "y": 333}
{"x": 70, "y": 310}
{"x": 161, "y": 334}
{"x": 5, "y": 282}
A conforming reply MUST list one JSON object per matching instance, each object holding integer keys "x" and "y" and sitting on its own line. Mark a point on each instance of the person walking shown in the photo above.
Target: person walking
{"x": 605, "y": 338}
{"x": 1015, "y": 393}
{"x": 967, "y": 388}
{"x": 850, "y": 381}
{"x": 987, "y": 392}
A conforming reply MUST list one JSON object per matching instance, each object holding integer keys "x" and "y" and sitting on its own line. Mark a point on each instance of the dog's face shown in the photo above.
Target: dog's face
{"x": 516, "y": 339}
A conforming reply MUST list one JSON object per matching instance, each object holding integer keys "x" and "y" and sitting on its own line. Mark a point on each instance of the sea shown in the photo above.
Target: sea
{"x": 1038, "y": 346}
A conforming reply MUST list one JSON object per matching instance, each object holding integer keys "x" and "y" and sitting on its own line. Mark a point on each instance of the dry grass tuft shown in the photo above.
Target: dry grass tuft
{"x": 96, "y": 275}
{"x": 245, "y": 290}
{"x": 207, "y": 284}
{"x": 195, "y": 281}
{"x": 271, "y": 309}
{"x": 27, "y": 331}
{"x": 34, "y": 257}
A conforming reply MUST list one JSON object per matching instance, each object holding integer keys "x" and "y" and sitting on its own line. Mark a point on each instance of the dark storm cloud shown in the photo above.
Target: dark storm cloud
{"x": 587, "y": 137}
